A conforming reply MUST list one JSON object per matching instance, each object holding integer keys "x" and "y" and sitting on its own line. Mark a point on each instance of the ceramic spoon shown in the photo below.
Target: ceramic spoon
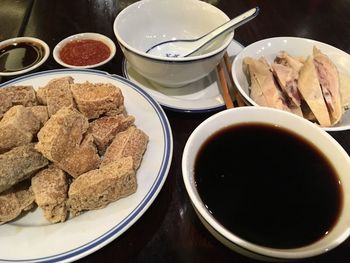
{"x": 187, "y": 47}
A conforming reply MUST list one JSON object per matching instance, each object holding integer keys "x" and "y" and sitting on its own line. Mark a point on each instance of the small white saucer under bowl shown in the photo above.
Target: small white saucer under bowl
{"x": 190, "y": 98}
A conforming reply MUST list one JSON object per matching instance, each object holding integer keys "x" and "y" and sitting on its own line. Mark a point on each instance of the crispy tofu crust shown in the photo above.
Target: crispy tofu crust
{"x": 131, "y": 142}
{"x": 41, "y": 113}
{"x": 17, "y": 127}
{"x": 94, "y": 100}
{"x": 105, "y": 128}
{"x": 19, "y": 164}
{"x": 60, "y": 140}
{"x": 14, "y": 201}
{"x": 57, "y": 94}
{"x": 97, "y": 188}
{"x": 50, "y": 187}
{"x": 16, "y": 95}
{"x": 41, "y": 95}
{"x": 81, "y": 159}
{"x": 62, "y": 133}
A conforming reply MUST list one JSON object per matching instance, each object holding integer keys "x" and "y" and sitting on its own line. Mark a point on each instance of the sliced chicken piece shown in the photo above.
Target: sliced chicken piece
{"x": 307, "y": 113}
{"x": 256, "y": 93}
{"x": 264, "y": 84}
{"x": 295, "y": 63}
{"x": 329, "y": 79}
{"x": 344, "y": 81}
{"x": 310, "y": 89}
{"x": 287, "y": 77}
{"x": 296, "y": 110}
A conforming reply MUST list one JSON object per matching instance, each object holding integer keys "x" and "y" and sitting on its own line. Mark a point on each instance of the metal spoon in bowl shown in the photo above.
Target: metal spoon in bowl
{"x": 187, "y": 47}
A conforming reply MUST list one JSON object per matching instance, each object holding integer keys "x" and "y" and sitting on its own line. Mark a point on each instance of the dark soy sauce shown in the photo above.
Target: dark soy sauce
{"x": 19, "y": 56}
{"x": 268, "y": 186}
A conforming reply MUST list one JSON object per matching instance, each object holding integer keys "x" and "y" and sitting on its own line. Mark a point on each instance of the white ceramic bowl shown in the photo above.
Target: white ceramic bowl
{"x": 312, "y": 133}
{"x": 43, "y": 50}
{"x": 84, "y": 36}
{"x": 145, "y": 23}
{"x": 295, "y": 46}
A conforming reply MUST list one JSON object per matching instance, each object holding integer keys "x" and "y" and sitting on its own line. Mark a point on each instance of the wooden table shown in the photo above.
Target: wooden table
{"x": 170, "y": 231}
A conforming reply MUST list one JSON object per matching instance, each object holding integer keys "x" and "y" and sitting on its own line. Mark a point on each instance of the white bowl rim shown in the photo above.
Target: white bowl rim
{"x": 145, "y": 55}
{"x": 27, "y": 39}
{"x": 250, "y": 100}
{"x": 296, "y": 253}
{"x": 87, "y": 35}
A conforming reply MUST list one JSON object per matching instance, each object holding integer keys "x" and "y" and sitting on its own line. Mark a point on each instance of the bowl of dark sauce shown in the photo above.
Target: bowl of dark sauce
{"x": 21, "y": 55}
{"x": 268, "y": 184}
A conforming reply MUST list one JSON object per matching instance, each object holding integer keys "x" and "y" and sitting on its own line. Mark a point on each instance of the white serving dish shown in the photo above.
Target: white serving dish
{"x": 31, "y": 238}
{"x": 295, "y": 46}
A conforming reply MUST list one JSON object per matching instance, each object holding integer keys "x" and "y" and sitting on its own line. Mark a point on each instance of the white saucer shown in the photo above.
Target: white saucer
{"x": 191, "y": 98}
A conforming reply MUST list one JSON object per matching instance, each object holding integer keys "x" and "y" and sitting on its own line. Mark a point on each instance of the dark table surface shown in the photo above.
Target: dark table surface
{"x": 170, "y": 231}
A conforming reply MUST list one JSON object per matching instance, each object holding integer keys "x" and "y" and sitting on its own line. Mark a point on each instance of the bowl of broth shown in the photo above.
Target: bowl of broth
{"x": 268, "y": 184}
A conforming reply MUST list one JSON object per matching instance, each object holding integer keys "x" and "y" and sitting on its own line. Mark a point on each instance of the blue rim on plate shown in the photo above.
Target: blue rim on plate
{"x": 147, "y": 200}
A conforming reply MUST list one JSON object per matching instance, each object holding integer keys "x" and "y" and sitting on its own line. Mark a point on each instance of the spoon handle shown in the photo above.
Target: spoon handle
{"x": 227, "y": 27}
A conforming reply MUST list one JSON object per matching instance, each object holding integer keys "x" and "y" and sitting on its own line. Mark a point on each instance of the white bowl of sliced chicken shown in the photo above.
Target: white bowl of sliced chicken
{"x": 302, "y": 76}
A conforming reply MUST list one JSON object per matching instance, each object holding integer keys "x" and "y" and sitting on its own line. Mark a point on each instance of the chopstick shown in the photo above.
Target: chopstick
{"x": 224, "y": 87}
{"x": 238, "y": 96}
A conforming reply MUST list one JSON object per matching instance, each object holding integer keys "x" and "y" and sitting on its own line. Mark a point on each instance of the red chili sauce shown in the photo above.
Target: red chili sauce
{"x": 84, "y": 52}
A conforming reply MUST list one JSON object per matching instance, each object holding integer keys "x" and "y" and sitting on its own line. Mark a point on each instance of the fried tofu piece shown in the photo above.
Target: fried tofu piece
{"x": 14, "y": 201}
{"x": 50, "y": 188}
{"x": 131, "y": 142}
{"x": 41, "y": 95}
{"x": 97, "y": 188}
{"x": 94, "y": 100}
{"x": 16, "y": 95}
{"x": 19, "y": 164}
{"x": 41, "y": 113}
{"x": 61, "y": 141}
{"x": 81, "y": 159}
{"x": 105, "y": 128}
{"x": 17, "y": 127}
{"x": 62, "y": 133}
{"x": 57, "y": 94}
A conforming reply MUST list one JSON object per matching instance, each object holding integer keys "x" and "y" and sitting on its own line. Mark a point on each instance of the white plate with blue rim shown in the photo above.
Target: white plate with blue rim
{"x": 32, "y": 239}
{"x": 192, "y": 98}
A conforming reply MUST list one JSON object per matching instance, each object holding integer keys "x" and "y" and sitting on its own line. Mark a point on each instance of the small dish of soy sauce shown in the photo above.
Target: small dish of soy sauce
{"x": 21, "y": 55}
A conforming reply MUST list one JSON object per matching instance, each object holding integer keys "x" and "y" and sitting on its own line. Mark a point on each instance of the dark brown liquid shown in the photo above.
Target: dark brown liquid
{"x": 268, "y": 186}
{"x": 19, "y": 56}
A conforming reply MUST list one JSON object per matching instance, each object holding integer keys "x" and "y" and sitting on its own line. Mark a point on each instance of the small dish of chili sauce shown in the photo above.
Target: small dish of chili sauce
{"x": 85, "y": 50}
